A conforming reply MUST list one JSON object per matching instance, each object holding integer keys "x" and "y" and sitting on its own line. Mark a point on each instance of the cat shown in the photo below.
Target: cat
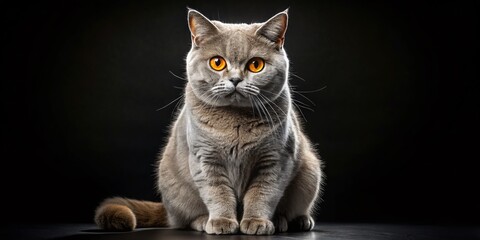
{"x": 237, "y": 159}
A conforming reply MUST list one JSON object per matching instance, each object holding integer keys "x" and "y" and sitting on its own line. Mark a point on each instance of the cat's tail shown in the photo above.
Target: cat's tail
{"x": 122, "y": 214}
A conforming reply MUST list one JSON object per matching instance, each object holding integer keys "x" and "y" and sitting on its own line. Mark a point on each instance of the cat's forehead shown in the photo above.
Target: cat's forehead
{"x": 235, "y": 41}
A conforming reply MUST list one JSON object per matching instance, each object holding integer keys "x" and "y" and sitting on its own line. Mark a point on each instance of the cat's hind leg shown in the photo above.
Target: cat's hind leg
{"x": 297, "y": 204}
{"x": 179, "y": 195}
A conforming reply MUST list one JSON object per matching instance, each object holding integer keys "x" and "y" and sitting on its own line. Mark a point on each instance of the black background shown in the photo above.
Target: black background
{"x": 396, "y": 124}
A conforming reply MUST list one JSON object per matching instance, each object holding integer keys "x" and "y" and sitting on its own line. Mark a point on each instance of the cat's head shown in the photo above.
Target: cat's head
{"x": 237, "y": 64}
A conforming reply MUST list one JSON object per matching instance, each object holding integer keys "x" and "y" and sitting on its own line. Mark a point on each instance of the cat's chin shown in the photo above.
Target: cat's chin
{"x": 234, "y": 99}
{"x": 237, "y": 99}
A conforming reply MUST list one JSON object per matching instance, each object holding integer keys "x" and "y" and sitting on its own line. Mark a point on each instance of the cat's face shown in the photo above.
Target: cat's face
{"x": 237, "y": 64}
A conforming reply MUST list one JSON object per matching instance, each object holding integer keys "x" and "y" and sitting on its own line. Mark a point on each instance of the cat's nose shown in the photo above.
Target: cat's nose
{"x": 235, "y": 81}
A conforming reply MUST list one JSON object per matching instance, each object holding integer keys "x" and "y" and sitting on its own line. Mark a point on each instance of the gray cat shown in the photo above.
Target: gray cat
{"x": 237, "y": 158}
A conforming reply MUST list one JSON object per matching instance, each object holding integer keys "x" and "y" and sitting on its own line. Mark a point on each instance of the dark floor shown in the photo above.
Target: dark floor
{"x": 323, "y": 231}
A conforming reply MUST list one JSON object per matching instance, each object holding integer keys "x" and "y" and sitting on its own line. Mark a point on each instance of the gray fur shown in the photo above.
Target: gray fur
{"x": 238, "y": 146}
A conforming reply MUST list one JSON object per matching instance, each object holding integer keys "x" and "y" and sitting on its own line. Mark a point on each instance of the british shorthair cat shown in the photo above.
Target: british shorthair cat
{"x": 237, "y": 159}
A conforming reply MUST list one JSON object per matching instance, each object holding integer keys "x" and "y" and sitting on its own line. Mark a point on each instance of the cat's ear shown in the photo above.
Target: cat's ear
{"x": 200, "y": 27}
{"x": 274, "y": 29}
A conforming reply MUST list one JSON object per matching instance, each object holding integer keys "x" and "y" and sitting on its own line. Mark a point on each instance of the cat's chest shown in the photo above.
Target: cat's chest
{"x": 227, "y": 132}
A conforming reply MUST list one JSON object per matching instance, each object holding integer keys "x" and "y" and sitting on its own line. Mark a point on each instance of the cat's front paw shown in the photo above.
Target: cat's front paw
{"x": 257, "y": 226}
{"x": 221, "y": 226}
{"x": 199, "y": 223}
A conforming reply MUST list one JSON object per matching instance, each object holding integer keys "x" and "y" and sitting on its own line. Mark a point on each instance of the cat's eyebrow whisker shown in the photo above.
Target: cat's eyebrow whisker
{"x": 173, "y": 74}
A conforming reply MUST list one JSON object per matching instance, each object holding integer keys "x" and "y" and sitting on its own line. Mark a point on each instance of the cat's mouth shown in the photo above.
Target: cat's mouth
{"x": 235, "y": 98}
{"x": 235, "y": 94}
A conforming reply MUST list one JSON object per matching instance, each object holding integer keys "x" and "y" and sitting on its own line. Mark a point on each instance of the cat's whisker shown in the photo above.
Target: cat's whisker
{"x": 250, "y": 91}
{"x": 209, "y": 97}
{"x": 254, "y": 108}
{"x": 300, "y": 94}
{"x": 220, "y": 89}
{"x": 300, "y": 110}
{"x": 173, "y": 74}
{"x": 251, "y": 105}
{"x": 218, "y": 86}
{"x": 278, "y": 107}
{"x": 170, "y": 103}
{"x": 281, "y": 96}
{"x": 295, "y": 75}
{"x": 177, "y": 105}
{"x": 312, "y": 91}
{"x": 257, "y": 108}
{"x": 267, "y": 101}
{"x": 300, "y": 104}
{"x": 296, "y": 102}
{"x": 262, "y": 110}
{"x": 281, "y": 123}
{"x": 253, "y": 89}
{"x": 267, "y": 113}
{"x": 212, "y": 98}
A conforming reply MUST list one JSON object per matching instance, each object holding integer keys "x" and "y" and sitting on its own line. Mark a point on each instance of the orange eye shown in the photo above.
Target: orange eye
{"x": 217, "y": 63}
{"x": 255, "y": 65}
